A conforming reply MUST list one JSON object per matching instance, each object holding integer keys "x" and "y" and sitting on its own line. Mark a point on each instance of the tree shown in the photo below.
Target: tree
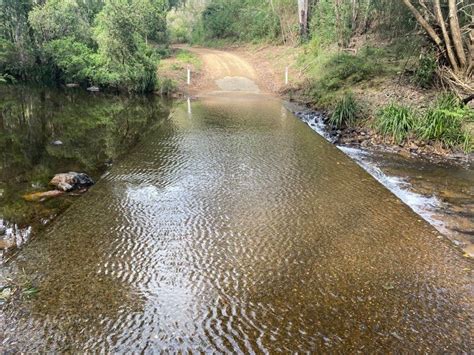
{"x": 16, "y": 54}
{"x": 59, "y": 18}
{"x": 442, "y": 24}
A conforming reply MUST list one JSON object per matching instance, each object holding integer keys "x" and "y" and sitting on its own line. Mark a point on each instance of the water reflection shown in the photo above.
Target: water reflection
{"x": 44, "y": 132}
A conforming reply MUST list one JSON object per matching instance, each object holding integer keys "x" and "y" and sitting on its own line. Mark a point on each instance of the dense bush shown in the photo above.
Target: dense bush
{"x": 425, "y": 72}
{"x": 245, "y": 20}
{"x": 336, "y": 72}
{"x": 74, "y": 60}
{"x": 113, "y": 44}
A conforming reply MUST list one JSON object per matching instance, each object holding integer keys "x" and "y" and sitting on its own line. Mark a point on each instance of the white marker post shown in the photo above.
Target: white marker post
{"x": 189, "y": 76}
{"x": 286, "y": 76}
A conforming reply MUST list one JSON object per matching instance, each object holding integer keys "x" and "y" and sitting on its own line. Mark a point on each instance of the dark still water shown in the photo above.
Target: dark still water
{"x": 232, "y": 227}
{"x": 45, "y": 132}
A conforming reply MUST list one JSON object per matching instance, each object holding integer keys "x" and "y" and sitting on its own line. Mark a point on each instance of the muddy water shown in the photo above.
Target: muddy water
{"x": 234, "y": 228}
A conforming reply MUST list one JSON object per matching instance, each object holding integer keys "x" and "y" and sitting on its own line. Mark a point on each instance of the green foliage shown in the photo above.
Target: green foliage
{"x": 74, "y": 60}
{"x": 445, "y": 121}
{"x": 426, "y": 71}
{"x": 166, "y": 87}
{"x": 7, "y": 78}
{"x": 241, "y": 20}
{"x": 345, "y": 112}
{"x": 126, "y": 61}
{"x": 97, "y": 42}
{"x": 57, "y": 19}
{"x": 337, "y": 72}
{"x": 396, "y": 121}
{"x": 323, "y": 25}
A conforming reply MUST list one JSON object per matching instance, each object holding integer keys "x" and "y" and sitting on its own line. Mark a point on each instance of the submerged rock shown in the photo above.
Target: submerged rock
{"x": 7, "y": 243}
{"x": 71, "y": 181}
{"x": 41, "y": 196}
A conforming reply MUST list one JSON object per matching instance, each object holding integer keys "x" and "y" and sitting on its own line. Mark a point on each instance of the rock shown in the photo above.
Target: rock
{"x": 3, "y": 230}
{"x": 404, "y": 153}
{"x": 93, "y": 89}
{"x": 71, "y": 181}
{"x": 72, "y": 85}
{"x": 7, "y": 243}
{"x": 56, "y": 143}
{"x": 41, "y": 196}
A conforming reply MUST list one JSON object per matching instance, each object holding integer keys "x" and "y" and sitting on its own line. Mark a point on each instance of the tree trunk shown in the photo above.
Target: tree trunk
{"x": 354, "y": 15}
{"x": 456, "y": 33}
{"x": 339, "y": 28}
{"x": 426, "y": 26}
{"x": 303, "y": 18}
{"x": 447, "y": 41}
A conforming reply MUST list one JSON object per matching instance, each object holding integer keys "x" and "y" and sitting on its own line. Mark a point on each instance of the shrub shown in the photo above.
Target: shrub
{"x": 336, "y": 72}
{"x": 396, "y": 121}
{"x": 166, "y": 87}
{"x": 345, "y": 112}
{"x": 73, "y": 59}
{"x": 445, "y": 122}
{"x": 425, "y": 73}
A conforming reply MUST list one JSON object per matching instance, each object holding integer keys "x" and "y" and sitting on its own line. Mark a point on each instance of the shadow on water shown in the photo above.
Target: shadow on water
{"x": 234, "y": 228}
{"x": 45, "y": 132}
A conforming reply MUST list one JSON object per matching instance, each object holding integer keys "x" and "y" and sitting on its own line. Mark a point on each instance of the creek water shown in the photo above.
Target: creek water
{"x": 232, "y": 227}
{"x": 442, "y": 193}
{"x": 44, "y": 132}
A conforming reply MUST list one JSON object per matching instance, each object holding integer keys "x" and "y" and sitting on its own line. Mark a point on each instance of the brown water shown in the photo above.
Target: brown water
{"x": 234, "y": 228}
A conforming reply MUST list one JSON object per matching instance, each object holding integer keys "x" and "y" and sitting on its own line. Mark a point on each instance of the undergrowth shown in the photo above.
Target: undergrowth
{"x": 331, "y": 74}
{"x": 166, "y": 87}
{"x": 345, "y": 112}
{"x": 445, "y": 121}
{"x": 396, "y": 121}
{"x": 188, "y": 58}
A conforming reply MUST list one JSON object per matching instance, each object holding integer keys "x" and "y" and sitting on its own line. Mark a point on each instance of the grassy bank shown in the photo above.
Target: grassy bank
{"x": 384, "y": 92}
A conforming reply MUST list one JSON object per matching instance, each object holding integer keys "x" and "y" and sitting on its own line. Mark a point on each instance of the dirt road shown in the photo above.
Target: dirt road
{"x": 233, "y": 69}
{"x": 224, "y": 71}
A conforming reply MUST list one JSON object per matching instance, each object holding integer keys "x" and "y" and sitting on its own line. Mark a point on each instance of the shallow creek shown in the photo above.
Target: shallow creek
{"x": 232, "y": 227}
{"x": 441, "y": 193}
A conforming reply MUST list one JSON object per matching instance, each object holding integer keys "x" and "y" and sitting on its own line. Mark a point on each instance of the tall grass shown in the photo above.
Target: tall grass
{"x": 345, "y": 112}
{"x": 445, "y": 122}
{"x": 396, "y": 121}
